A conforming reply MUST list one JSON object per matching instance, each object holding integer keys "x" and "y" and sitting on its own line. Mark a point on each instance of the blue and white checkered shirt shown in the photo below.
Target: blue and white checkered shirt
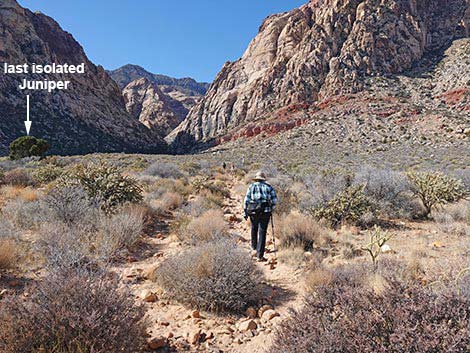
{"x": 261, "y": 191}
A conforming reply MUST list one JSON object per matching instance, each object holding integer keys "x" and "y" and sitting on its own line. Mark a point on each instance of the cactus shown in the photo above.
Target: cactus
{"x": 378, "y": 239}
{"x": 105, "y": 183}
{"x": 436, "y": 188}
{"x": 346, "y": 206}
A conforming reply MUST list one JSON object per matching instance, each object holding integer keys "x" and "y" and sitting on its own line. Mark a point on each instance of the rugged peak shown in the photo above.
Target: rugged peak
{"x": 322, "y": 49}
{"x": 5, "y": 4}
{"x": 88, "y": 117}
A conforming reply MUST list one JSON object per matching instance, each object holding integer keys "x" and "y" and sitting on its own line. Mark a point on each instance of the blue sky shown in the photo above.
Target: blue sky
{"x": 177, "y": 38}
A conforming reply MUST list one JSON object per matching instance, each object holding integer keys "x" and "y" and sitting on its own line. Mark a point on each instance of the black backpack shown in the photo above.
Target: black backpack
{"x": 255, "y": 208}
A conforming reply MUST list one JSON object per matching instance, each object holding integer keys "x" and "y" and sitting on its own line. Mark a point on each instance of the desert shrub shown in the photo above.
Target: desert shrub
{"x": 2, "y": 175}
{"x": 8, "y": 254}
{"x": 351, "y": 314}
{"x": 70, "y": 205}
{"x": 435, "y": 188}
{"x": 299, "y": 230}
{"x": 164, "y": 170}
{"x": 167, "y": 202}
{"x": 454, "y": 218}
{"x": 8, "y": 164}
{"x": 347, "y": 206}
{"x": 215, "y": 276}
{"x": 47, "y": 173}
{"x": 323, "y": 187}
{"x": 18, "y": 177}
{"x": 105, "y": 183}
{"x": 204, "y": 184}
{"x": 24, "y": 214}
{"x": 28, "y": 146}
{"x": 123, "y": 228}
{"x": 25, "y": 193}
{"x": 209, "y": 226}
{"x": 296, "y": 257}
{"x": 388, "y": 191}
{"x": 72, "y": 311}
{"x": 318, "y": 276}
{"x": 464, "y": 176}
{"x": 287, "y": 198}
{"x": 377, "y": 239}
{"x": 68, "y": 246}
{"x": 8, "y": 244}
{"x": 97, "y": 240}
{"x": 197, "y": 206}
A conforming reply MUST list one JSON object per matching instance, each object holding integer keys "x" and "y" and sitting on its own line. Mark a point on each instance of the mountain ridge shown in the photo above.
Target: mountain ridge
{"x": 62, "y": 118}
{"x": 321, "y": 50}
{"x": 131, "y": 72}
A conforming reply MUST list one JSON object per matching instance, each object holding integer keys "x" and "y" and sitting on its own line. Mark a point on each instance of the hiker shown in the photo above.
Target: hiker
{"x": 260, "y": 201}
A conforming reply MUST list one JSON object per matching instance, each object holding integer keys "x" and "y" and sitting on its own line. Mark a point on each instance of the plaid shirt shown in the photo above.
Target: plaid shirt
{"x": 261, "y": 191}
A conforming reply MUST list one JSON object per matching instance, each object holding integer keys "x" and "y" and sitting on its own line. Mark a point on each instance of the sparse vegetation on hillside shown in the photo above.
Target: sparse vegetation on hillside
{"x": 186, "y": 232}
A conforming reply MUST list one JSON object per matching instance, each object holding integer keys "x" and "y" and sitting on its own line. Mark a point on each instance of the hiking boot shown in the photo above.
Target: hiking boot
{"x": 262, "y": 259}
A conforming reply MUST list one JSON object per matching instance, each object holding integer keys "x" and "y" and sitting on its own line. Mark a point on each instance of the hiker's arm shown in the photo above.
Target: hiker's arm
{"x": 273, "y": 198}
{"x": 247, "y": 201}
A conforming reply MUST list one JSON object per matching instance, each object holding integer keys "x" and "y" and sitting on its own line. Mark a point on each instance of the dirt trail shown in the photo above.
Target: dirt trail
{"x": 286, "y": 282}
{"x": 283, "y": 290}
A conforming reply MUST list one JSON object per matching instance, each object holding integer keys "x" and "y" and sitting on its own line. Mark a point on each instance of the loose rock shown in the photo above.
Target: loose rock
{"x": 248, "y": 325}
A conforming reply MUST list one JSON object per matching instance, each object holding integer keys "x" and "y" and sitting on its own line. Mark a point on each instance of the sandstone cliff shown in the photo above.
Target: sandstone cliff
{"x": 320, "y": 50}
{"x": 146, "y": 102}
{"x": 90, "y": 117}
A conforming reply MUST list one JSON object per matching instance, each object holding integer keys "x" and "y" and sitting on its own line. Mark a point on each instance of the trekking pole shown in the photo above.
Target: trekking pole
{"x": 274, "y": 240}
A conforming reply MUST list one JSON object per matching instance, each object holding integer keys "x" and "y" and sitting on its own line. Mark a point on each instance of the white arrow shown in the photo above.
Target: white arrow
{"x": 27, "y": 123}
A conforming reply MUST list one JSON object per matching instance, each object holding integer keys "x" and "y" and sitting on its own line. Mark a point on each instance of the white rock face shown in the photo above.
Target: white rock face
{"x": 324, "y": 48}
{"x": 156, "y": 110}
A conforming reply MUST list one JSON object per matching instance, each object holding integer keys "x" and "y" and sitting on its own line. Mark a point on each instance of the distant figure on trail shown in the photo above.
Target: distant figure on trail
{"x": 260, "y": 201}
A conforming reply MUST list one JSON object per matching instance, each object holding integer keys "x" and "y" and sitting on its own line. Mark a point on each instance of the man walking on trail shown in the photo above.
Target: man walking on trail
{"x": 260, "y": 201}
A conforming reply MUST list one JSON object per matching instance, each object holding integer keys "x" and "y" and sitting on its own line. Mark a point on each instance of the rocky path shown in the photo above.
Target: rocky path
{"x": 285, "y": 287}
{"x": 189, "y": 330}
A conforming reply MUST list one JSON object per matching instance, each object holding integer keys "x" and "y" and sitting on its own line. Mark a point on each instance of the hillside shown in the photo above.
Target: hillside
{"x": 89, "y": 117}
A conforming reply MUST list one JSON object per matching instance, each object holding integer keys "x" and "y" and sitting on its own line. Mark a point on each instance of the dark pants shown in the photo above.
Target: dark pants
{"x": 259, "y": 228}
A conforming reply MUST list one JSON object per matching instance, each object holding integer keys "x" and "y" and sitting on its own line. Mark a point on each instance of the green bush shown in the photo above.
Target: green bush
{"x": 28, "y": 146}
{"x": 346, "y": 206}
{"x": 435, "y": 188}
{"x": 104, "y": 183}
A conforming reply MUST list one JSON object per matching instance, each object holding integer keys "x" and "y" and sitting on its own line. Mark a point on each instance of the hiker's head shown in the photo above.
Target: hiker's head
{"x": 260, "y": 176}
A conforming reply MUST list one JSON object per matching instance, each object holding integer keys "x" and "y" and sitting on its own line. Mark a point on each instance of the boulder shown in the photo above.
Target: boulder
{"x": 247, "y": 325}
{"x": 263, "y": 309}
{"x": 251, "y": 313}
{"x": 268, "y": 315}
{"x": 157, "y": 343}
